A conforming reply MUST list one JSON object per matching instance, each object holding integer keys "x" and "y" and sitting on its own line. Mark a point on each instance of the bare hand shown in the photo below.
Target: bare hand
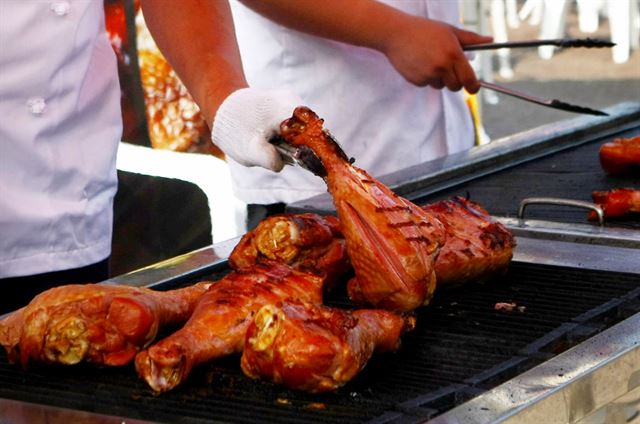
{"x": 427, "y": 52}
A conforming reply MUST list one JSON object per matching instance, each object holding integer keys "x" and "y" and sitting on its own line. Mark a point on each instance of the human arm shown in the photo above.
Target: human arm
{"x": 198, "y": 38}
{"x": 423, "y": 51}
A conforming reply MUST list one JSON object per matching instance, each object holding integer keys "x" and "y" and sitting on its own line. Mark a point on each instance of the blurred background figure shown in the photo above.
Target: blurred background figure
{"x": 503, "y": 14}
{"x": 623, "y": 17}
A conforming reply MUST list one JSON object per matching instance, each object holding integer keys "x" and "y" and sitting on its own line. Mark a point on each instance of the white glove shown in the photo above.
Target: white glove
{"x": 247, "y": 119}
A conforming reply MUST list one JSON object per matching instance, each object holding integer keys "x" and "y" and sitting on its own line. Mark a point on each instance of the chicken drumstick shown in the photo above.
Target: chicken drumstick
{"x": 98, "y": 323}
{"x": 391, "y": 242}
{"x": 316, "y": 348}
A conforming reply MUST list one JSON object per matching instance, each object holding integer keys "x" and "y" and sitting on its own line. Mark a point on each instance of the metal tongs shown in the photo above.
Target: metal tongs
{"x": 561, "y": 42}
{"x": 298, "y": 155}
{"x": 553, "y": 103}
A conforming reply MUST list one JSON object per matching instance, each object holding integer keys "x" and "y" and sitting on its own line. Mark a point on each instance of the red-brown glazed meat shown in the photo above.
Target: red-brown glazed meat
{"x": 621, "y": 156}
{"x": 316, "y": 348}
{"x": 97, "y": 323}
{"x": 616, "y": 203}
{"x": 307, "y": 242}
{"x": 476, "y": 246}
{"x": 392, "y": 243}
{"x": 220, "y": 320}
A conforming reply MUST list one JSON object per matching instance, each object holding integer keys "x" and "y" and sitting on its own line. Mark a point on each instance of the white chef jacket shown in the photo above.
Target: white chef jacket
{"x": 60, "y": 125}
{"x": 381, "y": 120}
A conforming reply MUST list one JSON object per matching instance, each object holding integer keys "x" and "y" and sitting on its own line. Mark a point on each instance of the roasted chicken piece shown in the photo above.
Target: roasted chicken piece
{"x": 475, "y": 247}
{"x": 220, "y": 320}
{"x": 315, "y": 348}
{"x": 307, "y": 242}
{"x": 617, "y": 202}
{"x": 97, "y": 323}
{"x": 621, "y": 156}
{"x": 392, "y": 243}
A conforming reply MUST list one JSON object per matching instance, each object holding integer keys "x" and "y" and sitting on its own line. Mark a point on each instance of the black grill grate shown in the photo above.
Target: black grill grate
{"x": 461, "y": 347}
{"x": 570, "y": 174}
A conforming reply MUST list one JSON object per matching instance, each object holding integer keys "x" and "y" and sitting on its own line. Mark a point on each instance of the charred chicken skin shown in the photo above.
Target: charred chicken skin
{"x": 392, "y": 243}
{"x": 616, "y": 203}
{"x": 97, "y": 323}
{"x": 475, "y": 247}
{"x": 621, "y": 156}
{"x": 307, "y": 242}
{"x": 218, "y": 325}
{"x": 316, "y": 348}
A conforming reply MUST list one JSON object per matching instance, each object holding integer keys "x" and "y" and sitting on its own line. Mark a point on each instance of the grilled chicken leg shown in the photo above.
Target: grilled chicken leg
{"x": 316, "y": 348}
{"x": 219, "y": 322}
{"x": 98, "y": 323}
{"x": 307, "y": 242}
{"x": 475, "y": 247}
{"x": 617, "y": 202}
{"x": 621, "y": 156}
{"x": 391, "y": 242}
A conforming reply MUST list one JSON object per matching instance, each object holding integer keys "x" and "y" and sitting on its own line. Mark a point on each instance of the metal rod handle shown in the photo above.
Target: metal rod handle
{"x": 561, "y": 202}
{"x": 560, "y": 42}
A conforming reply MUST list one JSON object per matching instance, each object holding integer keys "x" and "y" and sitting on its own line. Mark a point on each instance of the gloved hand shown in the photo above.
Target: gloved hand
{"x": 247, "y": 119}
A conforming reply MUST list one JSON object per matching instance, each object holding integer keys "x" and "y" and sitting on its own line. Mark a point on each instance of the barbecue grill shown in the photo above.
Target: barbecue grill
{"x": 568, "y": 351}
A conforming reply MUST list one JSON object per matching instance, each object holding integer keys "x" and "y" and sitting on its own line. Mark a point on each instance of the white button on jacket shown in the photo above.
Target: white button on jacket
{"x": 60, "y": 8}
{"x": 60, "y": 125}
{"x": 36, "y": 105}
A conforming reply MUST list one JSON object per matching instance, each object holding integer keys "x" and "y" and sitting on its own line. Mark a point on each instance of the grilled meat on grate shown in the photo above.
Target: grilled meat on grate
{"x": 617, "y": 202}
{"x": 219, "y": 322}
{"x": 475, "y": 247}
{"x": 98, "y": 323}
{"x": 621, "y": 156}
{"x": 317, "y": 348}
{"x": 307, "y": 242}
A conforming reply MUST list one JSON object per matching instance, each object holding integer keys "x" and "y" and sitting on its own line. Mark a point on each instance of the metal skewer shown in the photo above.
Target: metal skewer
{"x": 554, "y": 103}
{"x": 560, "y": 42}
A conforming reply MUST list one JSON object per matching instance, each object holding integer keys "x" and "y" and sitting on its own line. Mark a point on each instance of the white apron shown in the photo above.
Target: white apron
{"x": 60, "y": 125}
{"x": 384, "y": 122}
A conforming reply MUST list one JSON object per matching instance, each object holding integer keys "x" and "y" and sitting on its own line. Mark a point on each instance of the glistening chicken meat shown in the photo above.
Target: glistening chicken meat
{"x": 307, "y": 242}
{"x": 616, "y": 203}
{"x": 220, "y": 320}
{"x": 97, "y": 323}
{"x": 317, "y": 348}
{"x": 392, "y": 243}
{"x": 621, "y": 156}
{"x": 475, "y": 247}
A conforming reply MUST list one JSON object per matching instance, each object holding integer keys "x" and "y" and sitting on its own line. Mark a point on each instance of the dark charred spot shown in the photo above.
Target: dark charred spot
{"x": 401, "y": 224}
{"x": 467, "y": 252}
{"x": 394, "y": 208}
{"x": 420, "y": 239}
{"x": 495, "y": 235}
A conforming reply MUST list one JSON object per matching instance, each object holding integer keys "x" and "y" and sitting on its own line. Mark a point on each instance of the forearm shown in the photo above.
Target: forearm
{"x": 364, "y": 23}
{"x": 197, "y": 37}
{"x": 424, "y": 51}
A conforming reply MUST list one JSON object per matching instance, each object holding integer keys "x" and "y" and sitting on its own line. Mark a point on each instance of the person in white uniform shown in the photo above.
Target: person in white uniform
{"x": 60, "y": 124}
{"x": 357, "y": 63}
